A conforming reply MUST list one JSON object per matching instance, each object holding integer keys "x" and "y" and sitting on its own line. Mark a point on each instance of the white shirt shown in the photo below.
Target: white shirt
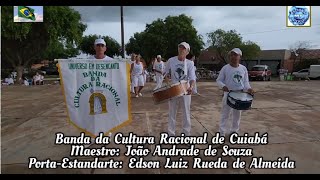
{"x": 234, "y": 78}
{"x": 159, "y": 66}
{"x": 137, "y": 69}
{"x": 37, "y": 77}
{"x": 9, "y": 80}
{"x": 105, "y": 58}
{"x": 180, "y": 70}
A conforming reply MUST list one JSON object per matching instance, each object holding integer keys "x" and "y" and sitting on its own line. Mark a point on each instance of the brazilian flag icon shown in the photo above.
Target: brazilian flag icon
{"x": 26, "y": 12}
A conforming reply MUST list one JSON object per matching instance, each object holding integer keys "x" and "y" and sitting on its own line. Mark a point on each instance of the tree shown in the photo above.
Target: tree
{"x": 24, "y": 43}
{"x": 87, "y": 46}
{"x": 298, "y": 49}
{"x": 163, "y": 36}
{"x": 223, "y": 41}
{"x": 57, "y": 49}
{"x": 135, "y": 44}
{"x": 179, "y": 29}
{"x": 250, "y": 50}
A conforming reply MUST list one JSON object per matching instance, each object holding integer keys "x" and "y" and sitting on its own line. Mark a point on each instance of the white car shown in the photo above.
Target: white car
{"x": 314, "y": 72}
{"x": 303, "y": 74}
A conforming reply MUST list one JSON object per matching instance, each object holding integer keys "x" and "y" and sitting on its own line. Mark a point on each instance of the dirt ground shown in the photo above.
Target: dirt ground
{"x": 289, "y": 111}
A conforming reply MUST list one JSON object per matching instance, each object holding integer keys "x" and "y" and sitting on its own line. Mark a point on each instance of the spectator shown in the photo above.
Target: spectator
{"x": 8, "y": 81}
{"x": 38, "y": 79}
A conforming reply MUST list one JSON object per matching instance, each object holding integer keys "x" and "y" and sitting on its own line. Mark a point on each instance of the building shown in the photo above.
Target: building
{"x": 300, "y": 56}
{"x": 209, "y": 59}
{"x": 275, "y": 59}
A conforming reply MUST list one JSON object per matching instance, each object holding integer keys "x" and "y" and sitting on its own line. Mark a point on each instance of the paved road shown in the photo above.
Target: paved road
{"x": 288, "y": 111}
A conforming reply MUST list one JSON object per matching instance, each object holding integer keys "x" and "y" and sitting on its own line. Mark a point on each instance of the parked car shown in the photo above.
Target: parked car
{"x": 260, "y": 72}
{"x": 303, "y": 74}
{"x": 314, "y": 72}
{"x": 49, "y": 70}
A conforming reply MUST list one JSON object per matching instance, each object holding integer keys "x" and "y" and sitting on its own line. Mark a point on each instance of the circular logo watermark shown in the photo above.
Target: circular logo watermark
{"x": 299, "y": 16}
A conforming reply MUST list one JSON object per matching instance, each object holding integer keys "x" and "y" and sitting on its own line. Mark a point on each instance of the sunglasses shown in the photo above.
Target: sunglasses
{"x": 100, "y": 45}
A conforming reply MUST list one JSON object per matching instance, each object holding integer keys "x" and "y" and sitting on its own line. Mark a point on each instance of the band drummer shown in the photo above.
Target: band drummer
{"x": 232, "y": 77}
{"x": 179, "y": 68}
{"x": 158, "y": 68}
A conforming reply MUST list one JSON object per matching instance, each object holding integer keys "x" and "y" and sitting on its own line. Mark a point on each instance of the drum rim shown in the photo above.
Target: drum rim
{"x": 170, "y": 86}
{"x": 240, "y": 92}
{"x": 166, "y": 100}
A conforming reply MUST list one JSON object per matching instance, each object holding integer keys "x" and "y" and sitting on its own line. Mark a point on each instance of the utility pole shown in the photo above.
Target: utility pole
{"x": 122, "y": 32}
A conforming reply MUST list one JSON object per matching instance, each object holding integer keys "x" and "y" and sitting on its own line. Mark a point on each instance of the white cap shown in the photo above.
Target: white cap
{"x": 186, "y": 45}
{"x": 158, "y": 56}
{"x": 237, "y": 51}
{"x": 99, "y": 41}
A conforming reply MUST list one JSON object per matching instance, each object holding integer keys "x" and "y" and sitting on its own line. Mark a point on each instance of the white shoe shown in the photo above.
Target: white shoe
{"x": 137, "y": 96}
{"x": 140, "y": 94}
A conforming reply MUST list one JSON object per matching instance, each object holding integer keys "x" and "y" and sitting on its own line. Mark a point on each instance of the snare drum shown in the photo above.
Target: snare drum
{"x": 239, "y": 100}
{"x": 166, "y": 93}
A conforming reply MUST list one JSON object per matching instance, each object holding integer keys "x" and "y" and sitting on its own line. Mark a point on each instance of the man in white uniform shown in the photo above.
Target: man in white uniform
{"x": 232, "y": 77}
{"x": 100, "y": 48}
{"x": 158, "y": 68}
{"x": 179, "y": 69}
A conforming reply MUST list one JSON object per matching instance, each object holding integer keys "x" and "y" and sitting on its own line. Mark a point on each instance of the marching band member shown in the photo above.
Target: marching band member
{"x": 100, "y": 47}
{"x": 180, "y": 69}
{"x": 158, "y": 68}
{"x": 137, "y": 71}
{"x": 232, "y": 77}
{"x": 131, "y": 62}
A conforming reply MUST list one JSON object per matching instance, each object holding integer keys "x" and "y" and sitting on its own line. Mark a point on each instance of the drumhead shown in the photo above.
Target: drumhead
{"x": 169, "y": 86}
{"x": 242, "y": 96}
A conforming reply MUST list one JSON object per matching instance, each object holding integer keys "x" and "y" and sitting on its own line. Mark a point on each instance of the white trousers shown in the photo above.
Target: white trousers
{"x": 159, "y": 80}
{"x": 131, "y": 85}
{"x": 138, "y": 80}
{"x": 185, "y": 101}
{"x": 225, "y": 114}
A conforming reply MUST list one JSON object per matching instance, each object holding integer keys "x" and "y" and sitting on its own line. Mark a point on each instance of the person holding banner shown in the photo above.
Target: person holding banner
{"x": 137, "y": 73}
{"x": 100, "y": 47}
{"x": 180, "y": 68}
